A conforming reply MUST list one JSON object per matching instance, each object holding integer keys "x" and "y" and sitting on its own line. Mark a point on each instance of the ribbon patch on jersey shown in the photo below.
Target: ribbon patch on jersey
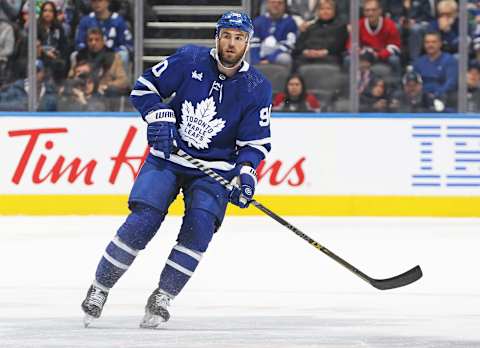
{"x": 198, "y": 126}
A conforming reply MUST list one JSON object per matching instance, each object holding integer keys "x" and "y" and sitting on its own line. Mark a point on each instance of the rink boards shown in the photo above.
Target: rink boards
{"x": 328, "y": 164}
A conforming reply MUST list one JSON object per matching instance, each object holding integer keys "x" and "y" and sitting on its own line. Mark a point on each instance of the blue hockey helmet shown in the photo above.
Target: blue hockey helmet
{"x": 235, "y": 20}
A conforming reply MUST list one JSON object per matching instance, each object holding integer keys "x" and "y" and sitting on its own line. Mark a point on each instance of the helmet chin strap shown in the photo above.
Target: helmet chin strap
{"x": 219, "y": 61}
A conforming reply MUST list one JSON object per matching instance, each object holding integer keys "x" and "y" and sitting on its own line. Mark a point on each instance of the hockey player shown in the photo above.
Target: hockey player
{"x": 220, "y": 114}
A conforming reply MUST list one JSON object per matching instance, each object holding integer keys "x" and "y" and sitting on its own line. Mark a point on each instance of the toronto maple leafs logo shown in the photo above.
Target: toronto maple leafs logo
{"x": 198, "y": 125}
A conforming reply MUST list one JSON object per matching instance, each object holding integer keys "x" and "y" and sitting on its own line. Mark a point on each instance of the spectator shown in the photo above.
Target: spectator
{"x": 80, "y": 91}
{"x": 295, "y": 98}
{"x": 375, "y": 97}
{"x": 447, "y": 24}
{"x": 54, "y": 45}
{"x": 275, "y": 35}
{"x": 115, "y": 30}
{"x": 365, "y": 72}
{"x": 15, "y": 96}
{"x": 380, "y": 35}
{"x": 106, "y": 64}
{"x": 439, "y": 70}
{"x": 324, "y": 40}
{"x": 473, "y": 88}
{"x": 7, "y": 44}
{"x": 19, "y": 60}
{"x": 304, "y": 11}
{"x": 411, "y": 98}
{"x": 414, "y": 19}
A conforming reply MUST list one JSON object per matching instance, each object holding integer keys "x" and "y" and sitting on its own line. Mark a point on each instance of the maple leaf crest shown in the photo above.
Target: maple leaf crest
{"x": 198, "y": 125}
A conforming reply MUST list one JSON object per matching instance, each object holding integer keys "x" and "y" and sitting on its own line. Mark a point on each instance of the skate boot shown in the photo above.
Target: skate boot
{"x": 156, "y": 309}
{"x": 93, "y": 303}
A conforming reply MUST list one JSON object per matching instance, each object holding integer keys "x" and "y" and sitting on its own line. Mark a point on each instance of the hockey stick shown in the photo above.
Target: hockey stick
{"x": 400, "y": 280}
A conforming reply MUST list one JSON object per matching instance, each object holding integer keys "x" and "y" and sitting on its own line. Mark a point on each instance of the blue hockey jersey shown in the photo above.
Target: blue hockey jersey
{"x": 115, "y": 31}
{"x": 220, "y": 120}
{"x": 272, "y": 37}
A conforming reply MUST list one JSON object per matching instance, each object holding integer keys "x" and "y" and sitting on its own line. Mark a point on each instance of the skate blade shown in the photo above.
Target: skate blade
{"x": 87, "y": 320}
{"x": 151, "y": 321}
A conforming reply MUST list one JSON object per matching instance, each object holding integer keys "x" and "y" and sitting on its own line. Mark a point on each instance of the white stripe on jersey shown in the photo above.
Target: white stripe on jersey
{"x": 148, "y": 84}
{"x": 260, "y": 148}
{"x": 140, "y": 93}
{"x": 254, "y": 142}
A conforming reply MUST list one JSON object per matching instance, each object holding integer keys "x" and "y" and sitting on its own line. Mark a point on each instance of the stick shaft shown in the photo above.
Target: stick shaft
{"x": 382, "y": 284}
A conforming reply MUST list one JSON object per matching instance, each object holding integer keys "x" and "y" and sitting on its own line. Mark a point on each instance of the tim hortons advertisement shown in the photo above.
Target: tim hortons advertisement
{"x": 310, "y": 156}
{"x": 88, "y": 155}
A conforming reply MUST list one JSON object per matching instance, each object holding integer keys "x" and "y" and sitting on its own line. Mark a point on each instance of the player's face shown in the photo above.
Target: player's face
{"x": 232, "y": 44}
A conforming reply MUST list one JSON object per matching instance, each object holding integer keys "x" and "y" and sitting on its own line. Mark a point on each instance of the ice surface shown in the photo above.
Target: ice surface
{"x": 259, "y": 285}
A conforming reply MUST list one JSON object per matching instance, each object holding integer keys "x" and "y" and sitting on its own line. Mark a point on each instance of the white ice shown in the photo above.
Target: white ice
{"x": 259, "y": 285}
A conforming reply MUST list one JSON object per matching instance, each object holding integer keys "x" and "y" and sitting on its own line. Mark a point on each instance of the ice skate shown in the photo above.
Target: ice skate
{"x": 156, "y": 309}
{"x": 93, "y": 304}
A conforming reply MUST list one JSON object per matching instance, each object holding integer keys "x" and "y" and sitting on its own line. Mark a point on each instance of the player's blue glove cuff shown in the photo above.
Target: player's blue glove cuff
{"x": 242, "y": 193}
{"x": 162, "y": 130}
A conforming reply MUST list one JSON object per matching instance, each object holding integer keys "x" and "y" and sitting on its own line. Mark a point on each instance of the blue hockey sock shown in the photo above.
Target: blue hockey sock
{"x": 115, "y": 261}
{"x": 139, "y": 228}
{"x": 179, "y": 267}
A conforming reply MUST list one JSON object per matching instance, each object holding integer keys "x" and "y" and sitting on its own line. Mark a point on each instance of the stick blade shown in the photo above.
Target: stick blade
{"x": 398, "y": 281}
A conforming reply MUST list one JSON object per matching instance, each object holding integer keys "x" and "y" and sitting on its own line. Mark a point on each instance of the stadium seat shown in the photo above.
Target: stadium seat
{"x": 382, "y": 70}
{"x": 385, "y": 72}
{"x": 342, "y": 105}
{"x": 320, "y": 76}
{"x": 276, "y": 74}
{"x": 323, "y": 80}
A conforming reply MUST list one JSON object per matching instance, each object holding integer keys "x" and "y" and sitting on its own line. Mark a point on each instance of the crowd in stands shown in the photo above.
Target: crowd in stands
{"x": 84, "y": 54}
{"x": 408, "y": 52}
